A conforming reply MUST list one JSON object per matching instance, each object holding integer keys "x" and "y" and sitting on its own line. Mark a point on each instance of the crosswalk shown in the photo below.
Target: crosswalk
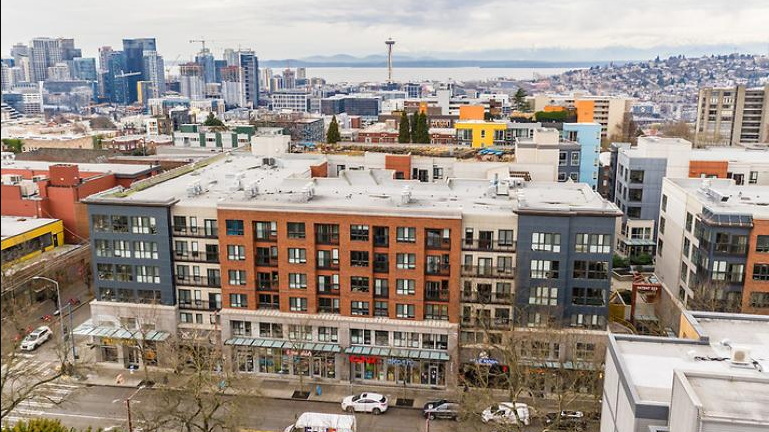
{"x": 45, "y": 396}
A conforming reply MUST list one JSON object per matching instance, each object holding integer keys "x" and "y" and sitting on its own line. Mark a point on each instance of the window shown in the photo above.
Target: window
{"x": 591, "y": 270}
{"x": 359, "y": 284}
{"x": 265, "y": 230}
{"x": 296, "y": 230}
{"x": 406, "y": 235}
{"x": 123, "y": 273}
{"x": 236, "y": 277}
{"x": 636, "y": 176}
{"x": 544, "y": 269}
{"x": 121, "y": 248}
{"x": 299, "y": 332}
{"x": 145, "y": 250}
{"x": 236, "y": 252}
{"x": 238, "y": 300}
{"x": 759, "y": 300}
{"x": 103, "y": 248}
{"x": 360, "y": 337}
{"x": 505, "y": 238}
{"x": 574, "y": 158}
{"x": 686, "y": 247}
{"x": 120, "y": 224}
{"x": 660, "y": 243}
{"x": 297, "y": 280}
{"x": 328, "y": 334}
{"x": 328, "y": 305}
{"x": 562, "y": 177}
{"x": 359, "y": 232}
{"x": 584, "y": 351}
{"x": 381, "y": 236}
{"x": 328, "y": 283}
{"x": 405, "y": 286}
{"x": 297, "y": 304}
{"x": 436, "y": 312}
{"x": 635, "y": 195}
{"x": 101, "y": 223}
{"x": 662, "y": 225}
{"x": 762, "y": 243}
{"x": 185, "y": 317}
{"x": 328, "y": 259}
{"x": 406, "y": 261}
{"x": 405, "y": 339}
{"x": 297, "y": 255}
{"x": 562, "y": 158}
{"x": 664, "y": 204}
{"x": 689, "y": 221}
{"x": 633, "y": 212}
{"x": 543, "y": 296}
{"x": 143, "y": 225}
{"x": 359, "y": 258}
{"x": 593, "y": 243}
{"x": 359, "y": 308}
{"x": 241, "y": 328}
{"x": 327, "y": 233}
{"x": 546, "y": 242}
{"x": 753, "y": 178}
{"x": 404, "y": 310}
{"x": 148, "y": 274}
{"x": 234, "y": 227}
{"x": 435, "y": 341}
{"x": 105, "y": 271}
{"x": 270, "y": 330}
{"x": 587, "y": 321}
{"x": 587, "y": 296}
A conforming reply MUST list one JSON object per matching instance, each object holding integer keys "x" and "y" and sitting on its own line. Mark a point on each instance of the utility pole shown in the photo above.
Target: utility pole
{"x": 389, "y": 42}
{"x": 61, "y": 314}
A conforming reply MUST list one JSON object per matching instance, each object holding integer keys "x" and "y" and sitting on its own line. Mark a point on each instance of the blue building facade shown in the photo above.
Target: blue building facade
{"x": 588, "y": 135}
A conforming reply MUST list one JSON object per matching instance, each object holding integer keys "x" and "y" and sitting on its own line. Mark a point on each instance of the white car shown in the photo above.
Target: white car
{"x": 38, "y": 337}
{"x": 374, "y": 403}
{"x": 505, "y": 412}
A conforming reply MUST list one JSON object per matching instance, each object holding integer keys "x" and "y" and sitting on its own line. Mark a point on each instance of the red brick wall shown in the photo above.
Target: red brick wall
{"x": 319, "y": 170}
{"x": 708, "y": 168}
{"x": 760, "y": 227}
{"x": 399, "y": 163}
{"x": 345, "y": 271}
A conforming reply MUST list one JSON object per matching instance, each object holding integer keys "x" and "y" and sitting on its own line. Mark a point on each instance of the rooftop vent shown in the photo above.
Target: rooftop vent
{"x": 194, "y": 189}
{"x": 252, "y": 190}
{"x": 268, "y": 161}
{"x": 741, "y": 357}
{"x": 406, "y": 195}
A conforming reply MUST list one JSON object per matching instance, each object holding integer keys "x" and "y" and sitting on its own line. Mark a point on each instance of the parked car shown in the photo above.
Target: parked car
{"x": 435, "y": 403}
{"x": 566, "y": 416}
{"x": 323, "y": 423}
{"x": 447, "y": 410}
{"x": 374, "y": 403}
{"x": 38, "y": 337}
{"x": 505, "y": 412}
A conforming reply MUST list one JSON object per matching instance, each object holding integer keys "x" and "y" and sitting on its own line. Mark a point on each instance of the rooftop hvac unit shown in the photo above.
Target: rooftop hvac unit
{"x": 252, "y": 190}
{"x": 406, "y": 195}
{"x": 741, "y": 357}
{"x": 268, "y": 161}
{"x": 12, "y": 179}
{"x": 194, "y": 189}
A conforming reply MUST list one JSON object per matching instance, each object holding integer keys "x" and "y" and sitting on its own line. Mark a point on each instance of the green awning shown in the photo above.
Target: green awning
{"x": 282, "y": 344}
{"x": 88, "y": 329}
{"x": 415, "y": 354}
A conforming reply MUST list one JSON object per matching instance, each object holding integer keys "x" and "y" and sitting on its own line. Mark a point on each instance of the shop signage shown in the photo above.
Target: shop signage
{"x": 363, "y": 359}
{"x": 400, "y": 362}
{"x": 302, "y": 353}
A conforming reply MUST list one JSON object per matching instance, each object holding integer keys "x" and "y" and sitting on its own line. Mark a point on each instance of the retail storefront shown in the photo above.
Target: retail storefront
{"x": 118, "y": 345}
{"x": 398, "y": 366}
{"x": 267, "y": 356}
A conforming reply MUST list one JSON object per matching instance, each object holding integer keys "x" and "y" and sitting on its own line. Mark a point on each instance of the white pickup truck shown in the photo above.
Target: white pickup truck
{"x": 319, "y": 422}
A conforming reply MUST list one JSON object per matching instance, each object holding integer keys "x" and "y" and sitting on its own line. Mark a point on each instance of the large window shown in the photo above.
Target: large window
{"x": 328, "y": 334}
{"x": 265, "y": 230}
{"x": 359, "y": 283}
{"x": 101, "y": 223}
{"x": 121, "y": 248}
{"x": 406, "y": 261}
{"x": 234, "y": 227}
{"x": 359, "y": 258}
{"x": 296, "y": 230}
{"x": 543, "y": 296}
{"x": 588, "y": 321}
{"x": 360, "y": 337}
{"x": 297, "y": 280}
{"x": 359, "y": 232}
{"x": 404, "y": 311}
{"x": 143, "y": 225}
{"x": 762, "y": 243}
{"x": 299, "y": 332}
{"x": 105, "y": 271}
{"x": 328, "y": 283}
{"x": 238, "y": 300}
{"x": 636, "y": 176}
{"x": 381, "y": 309}
{"x": 297, "y": 255}
{"x": 120, "y": 224}
{"x": 550, "y": 242}
{"x": 103, "y": 248}
{"x": 406, "y": 234}
{"x": 405, "y": 286}
{"x": 545, "y": 269}
{"x": 270, "y": 330}
{"x": 591, "y": 270}
{"x": 593, "y": 243}
{"x": 236, "y": 252}
{"x": 148, "y": 274}
{"x": 145, "y": 250}
{"x": 328, "y": 305}
{"x": 761, "y": 272}
{"x": 236, "y": 277}
{"x": 587, "y": 296}
{"x": 436, "y": 312}
{"x": 297, "y": 304}
{"x": 359, "y": 308}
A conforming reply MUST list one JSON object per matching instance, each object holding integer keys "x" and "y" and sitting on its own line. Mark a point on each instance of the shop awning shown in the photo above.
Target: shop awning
{"x": 88, "y": 329}
{"x": 558, "y": 365}
{"x": 415, "y": 354}
{"x": 270, "y": 343}
{"x": 639, "y": 242}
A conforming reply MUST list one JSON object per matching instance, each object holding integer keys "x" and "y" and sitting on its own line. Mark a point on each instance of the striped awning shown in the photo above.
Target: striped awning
{"x": 282, "y": 344}
{"x": 639, "y": 242}
{"x": 414, "y": 354}
{"x": 88, "y": 329}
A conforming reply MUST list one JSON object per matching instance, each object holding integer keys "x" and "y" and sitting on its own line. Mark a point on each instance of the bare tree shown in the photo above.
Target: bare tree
{"x": 713, "y": 296}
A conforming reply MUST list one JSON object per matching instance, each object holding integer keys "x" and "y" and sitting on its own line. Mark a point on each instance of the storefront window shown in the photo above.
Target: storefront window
{"x": 109, "y": 353}
{"x": 398, "y": 370}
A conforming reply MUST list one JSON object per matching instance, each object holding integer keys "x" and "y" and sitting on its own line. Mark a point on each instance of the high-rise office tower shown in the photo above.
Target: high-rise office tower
{"x": 44, "y": 53}
{"x": 301, "y": 73}
{"x": 733, "y": 115}
{"x": 289, "y": 79}
{"x": 153, "y": 71}
{"x": 191, "y": 82}
{"x": 206, "y": 60}
{"x": 84, "y": 69}
{"x": 19, "y": 50}
{"x": 249, "y": 78}
{"x": 134, "y": 56}
{"x": 68, "y": 50}
{"x": 230, "y": 56}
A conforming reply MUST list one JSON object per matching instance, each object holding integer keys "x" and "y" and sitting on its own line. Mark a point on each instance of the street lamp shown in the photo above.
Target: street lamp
{"x": 61, "y": 312}
{"x": 128, "y": 407}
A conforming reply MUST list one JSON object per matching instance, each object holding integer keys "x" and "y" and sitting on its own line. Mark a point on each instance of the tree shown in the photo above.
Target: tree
{"x": 13, "y": 144}
{"x": 404, "y": 132}
{"x": 211, "y": 120}
{"x": 422, "y": 135}
{"x": 41, "y": 425}
{"x": 679, "y": 129}
{"x": 711, "y": 295}
{"x": 102, "y": 122}
{"x": 414, "y": 120}
{"x": 332, "y": 135}
{"x": 519, "y": 99}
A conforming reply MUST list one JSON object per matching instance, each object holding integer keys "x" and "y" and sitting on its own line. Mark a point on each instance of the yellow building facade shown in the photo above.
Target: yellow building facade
{"x": 26, "y": 238}
{"x": 479, "y": 133}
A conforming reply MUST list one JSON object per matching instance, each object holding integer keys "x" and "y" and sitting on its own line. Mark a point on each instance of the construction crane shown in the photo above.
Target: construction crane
{"x": 176, "y": 62}
{"x": 202, "y": 43}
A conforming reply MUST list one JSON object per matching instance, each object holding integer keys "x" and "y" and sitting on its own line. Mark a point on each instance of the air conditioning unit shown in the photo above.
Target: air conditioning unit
{"x": 12, "y": 179}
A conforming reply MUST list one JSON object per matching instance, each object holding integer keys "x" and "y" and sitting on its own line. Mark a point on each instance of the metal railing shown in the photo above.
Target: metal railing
{"x": 201, "y": 257}
{"x": 195, "y": 231}
{"x": 202, "y": 281}
{"x": 488, "y": 245}
{"x": 488, "y": 272}
{"x": 203, "y": 305}
{"x": 487, "y": 298}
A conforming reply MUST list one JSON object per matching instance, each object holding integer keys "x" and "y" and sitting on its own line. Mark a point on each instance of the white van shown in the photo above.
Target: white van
{"x": 319, "y": 422}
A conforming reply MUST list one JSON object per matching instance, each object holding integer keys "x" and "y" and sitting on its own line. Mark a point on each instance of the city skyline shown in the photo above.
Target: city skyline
{"x": 692, "y": 27}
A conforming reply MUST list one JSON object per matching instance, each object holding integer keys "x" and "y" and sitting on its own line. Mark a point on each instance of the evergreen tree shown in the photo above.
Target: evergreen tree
{"x": 333, "y": 136}
{"x": 423, "y": 130}
{"x": 212, "y": 121}
{"x": 404, "y": 132}
{"x": 520, "y": 100}
{"x": 414, "y": 118}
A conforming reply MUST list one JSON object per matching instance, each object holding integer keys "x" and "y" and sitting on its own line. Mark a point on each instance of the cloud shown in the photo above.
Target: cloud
{"x": 297, "y": 28}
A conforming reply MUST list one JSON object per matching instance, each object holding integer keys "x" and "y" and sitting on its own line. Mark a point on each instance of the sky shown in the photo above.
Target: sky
{"x": 439, "y": 28}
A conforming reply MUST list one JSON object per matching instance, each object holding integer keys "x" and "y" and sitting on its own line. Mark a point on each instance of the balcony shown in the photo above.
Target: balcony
{"x": 437, "y": 269}
{"x": 327, "y": 239}
{"x": 199, "y": 257}
{"x": 327, "y": 265}
{"x": 270, "y": 237}
{"x": 724, "y": 248}
{"x": 266, "y": 261}
{"x": 267, "y": 285}
{"x": 439, "y": 243}
{"x": 437, "y": 295}
{"x": 487, "y": 245}
{"x": 487, "y": 298}
{"x": 200, "y": 305}
{"x": 195, "y": 231}
{"x": 201, "y": 281}
{"x": 328, "y": 289}
{"x": 488, "y": 272}
{"x": 381, "y": 267}
{"x": 381, "y": 241}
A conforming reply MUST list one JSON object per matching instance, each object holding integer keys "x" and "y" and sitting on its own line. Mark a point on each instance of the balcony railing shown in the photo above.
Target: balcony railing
{"x": 381, "y": 267}
{"x": 327, "y": 265}
{"x": 437, "y": 295}
{"x": 488, "y": 272}
{"x": 266, "y": 261}
{"x": 202, "y": 305}
{"x": 487, "y": 298}
{"x": 202, "y": 281}
{"x": 265, "y": 237}
{"x": 437, "y": 269}
{"x": 381, "y": 241}
{"x": 201, "y": 257}
{"x": 724, "y": 248}
{"x": 267, "y": 285}
{"x": 488, "y": 245}
{"x": 327, "y": 239}
{"x": 328, "y": 289}
{"x": 438, "y": 243}
{"x": 195, "y": 231}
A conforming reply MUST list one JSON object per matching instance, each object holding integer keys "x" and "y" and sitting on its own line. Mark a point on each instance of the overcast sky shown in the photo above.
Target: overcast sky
{"x": 298, "y": 28}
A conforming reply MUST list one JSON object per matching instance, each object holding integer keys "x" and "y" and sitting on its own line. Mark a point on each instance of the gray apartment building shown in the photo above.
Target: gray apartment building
{"x": 733, "y": 115}
{"x": 356, "y": 105}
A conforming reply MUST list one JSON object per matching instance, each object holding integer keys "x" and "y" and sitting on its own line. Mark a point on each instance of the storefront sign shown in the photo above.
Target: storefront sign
{"x": 400, "y": 362}
{"x": 363, "y": 359}
{"x": 303, "y": 353}
{"x": 486, "y": 361}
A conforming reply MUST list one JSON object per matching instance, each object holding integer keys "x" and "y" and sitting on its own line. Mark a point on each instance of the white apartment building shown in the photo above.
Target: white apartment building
{"x": 608, "y": 111}
{"x": 291, "y": 100}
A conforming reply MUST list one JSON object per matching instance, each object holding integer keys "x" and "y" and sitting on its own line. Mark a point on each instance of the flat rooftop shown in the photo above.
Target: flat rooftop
{"x": 649, "y": 362}
{"x": 114, "y": 168}
{"x": 229, "y": 181}
{"x": 724, "y": 196}
{"x": 727, "y": 397}
{"x": 12, "y": 226}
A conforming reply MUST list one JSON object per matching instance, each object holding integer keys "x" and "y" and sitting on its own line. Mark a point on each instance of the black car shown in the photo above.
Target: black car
{"x": 447, "y": 410}
{"x": 435, "y": 403}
